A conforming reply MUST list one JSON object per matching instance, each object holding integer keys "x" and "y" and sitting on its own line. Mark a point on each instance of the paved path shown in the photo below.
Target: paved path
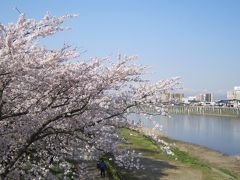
{"x": 93, "y": 173}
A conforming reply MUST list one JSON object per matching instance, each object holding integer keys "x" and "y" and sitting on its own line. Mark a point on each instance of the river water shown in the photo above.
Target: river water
{"x": 218, "y": 133}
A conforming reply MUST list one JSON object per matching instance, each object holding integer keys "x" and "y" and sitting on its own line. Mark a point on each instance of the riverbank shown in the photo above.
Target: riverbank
{"x": 190, "y": 161}
{"x": 202, "y": 110}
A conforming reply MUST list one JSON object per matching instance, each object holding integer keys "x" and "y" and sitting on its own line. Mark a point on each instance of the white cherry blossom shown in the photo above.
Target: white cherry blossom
{"x": 53, "y": 110}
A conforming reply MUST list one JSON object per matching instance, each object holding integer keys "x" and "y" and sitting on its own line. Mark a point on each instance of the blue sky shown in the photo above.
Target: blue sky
{"x": 197, "y": 40}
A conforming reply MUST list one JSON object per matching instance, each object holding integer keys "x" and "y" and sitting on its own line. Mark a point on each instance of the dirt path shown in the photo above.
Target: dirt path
{"x": 214, "y": 158}
{"x": 163, "y": 170}
{"x": 155, "y": 170}
{"x": 218, "y": 166}
{"x": 92, "y": 172}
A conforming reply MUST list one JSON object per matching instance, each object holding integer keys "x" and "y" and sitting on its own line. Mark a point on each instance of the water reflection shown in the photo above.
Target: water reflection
{"x": 219, "y": 133}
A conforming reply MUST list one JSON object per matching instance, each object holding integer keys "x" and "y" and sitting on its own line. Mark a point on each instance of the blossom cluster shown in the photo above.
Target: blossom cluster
{"x": 153, "y": 134}
{"x": 54, "y": 108}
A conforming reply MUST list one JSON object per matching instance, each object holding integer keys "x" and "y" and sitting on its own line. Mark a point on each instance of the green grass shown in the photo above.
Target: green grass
{"x": 111, "y": 169}
{"x": 151, "y": 149}
{"x": 138, "y": 141}
{"x": 187, "y": 159}
{"x": 57, "y": 171}
{"x": 230, "y": 173}
{"x": 143, "y": 144}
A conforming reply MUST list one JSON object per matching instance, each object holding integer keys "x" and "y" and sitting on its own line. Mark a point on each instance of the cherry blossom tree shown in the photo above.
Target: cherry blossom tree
{"x": 56, "y": 110}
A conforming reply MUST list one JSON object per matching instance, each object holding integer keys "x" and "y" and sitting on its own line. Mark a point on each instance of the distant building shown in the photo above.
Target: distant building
{"x": 229, "y": 103}
{"x": 173, "y": 97}
{"x": 234, "y": 94}
{"x": 236, "y": 88}
{"x": 200, "y": 98}
{"x": 192, "y": 98}
{"x": 207, "y": 97}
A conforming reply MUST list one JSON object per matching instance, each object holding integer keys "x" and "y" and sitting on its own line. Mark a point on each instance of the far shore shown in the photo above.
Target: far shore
{"x": 208, "y": 111}
{"x": 208, "y": 114}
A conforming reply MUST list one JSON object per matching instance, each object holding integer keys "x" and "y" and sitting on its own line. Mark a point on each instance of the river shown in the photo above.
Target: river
{"x": 218, "y": 133}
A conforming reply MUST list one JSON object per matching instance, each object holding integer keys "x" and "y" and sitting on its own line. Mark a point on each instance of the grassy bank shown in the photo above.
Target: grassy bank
{"x": 188, "y": 162}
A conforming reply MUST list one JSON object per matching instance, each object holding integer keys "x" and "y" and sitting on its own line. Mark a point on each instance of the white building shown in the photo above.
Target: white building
{"x": 237, "y": 88}
{"x": 234, "y": 94}
{"x": 172, "y": 97}
{"x": 207, "y": 97}
{"x": 192, "y": 98}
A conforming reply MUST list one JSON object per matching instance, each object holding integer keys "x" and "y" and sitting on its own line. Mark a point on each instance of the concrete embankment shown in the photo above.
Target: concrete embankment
{"x": 202, "y": 110}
